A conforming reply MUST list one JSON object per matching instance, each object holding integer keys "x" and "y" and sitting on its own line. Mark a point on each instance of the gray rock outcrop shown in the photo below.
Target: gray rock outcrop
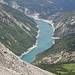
{"x": 10, "y": 64}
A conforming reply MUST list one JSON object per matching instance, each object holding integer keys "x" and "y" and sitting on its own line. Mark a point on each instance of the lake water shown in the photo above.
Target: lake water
{"x": 45, "y": 40}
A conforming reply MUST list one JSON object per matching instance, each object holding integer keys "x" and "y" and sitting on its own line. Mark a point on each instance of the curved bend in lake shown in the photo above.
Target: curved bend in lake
{"x": 45, "y": 40}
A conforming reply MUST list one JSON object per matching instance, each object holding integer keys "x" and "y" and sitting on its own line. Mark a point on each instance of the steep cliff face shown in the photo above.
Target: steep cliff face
{"x": 11, "y": 64}
{"x": 17, "y": 31}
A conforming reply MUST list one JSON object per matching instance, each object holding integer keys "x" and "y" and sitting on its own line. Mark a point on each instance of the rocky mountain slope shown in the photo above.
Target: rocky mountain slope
{"x": 64, "y": 24}
{"x": 17, "y": 31}
{"x": 10, "y": 64}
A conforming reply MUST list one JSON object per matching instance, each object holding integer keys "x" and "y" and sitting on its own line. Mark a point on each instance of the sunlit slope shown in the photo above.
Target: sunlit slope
{"x": 64, "y": 48}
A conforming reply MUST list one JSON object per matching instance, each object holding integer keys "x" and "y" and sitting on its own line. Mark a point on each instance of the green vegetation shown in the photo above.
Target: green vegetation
{"x": 62, "y": 44}
{"x": 63, "y": 68}
{"x": 15, "y": 37}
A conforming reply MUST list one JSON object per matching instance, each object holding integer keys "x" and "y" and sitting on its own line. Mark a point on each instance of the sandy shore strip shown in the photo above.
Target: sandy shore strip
{"x": 29, "y": 49}
{"x": 36, "y": 16}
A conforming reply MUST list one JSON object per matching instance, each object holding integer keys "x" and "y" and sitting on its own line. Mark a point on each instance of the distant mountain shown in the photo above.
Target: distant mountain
{"x": 17, "y": 31}
{"x": 65, "y": 5}
{"x": 45, "y": 8}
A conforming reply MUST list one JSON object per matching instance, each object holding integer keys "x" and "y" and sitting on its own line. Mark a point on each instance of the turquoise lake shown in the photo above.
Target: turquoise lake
{"x": 45, "y": 40}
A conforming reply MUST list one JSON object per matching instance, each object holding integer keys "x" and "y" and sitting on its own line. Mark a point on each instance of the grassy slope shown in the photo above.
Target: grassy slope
{"x": 60, "y": 45}
{"x": 14, "y": 37}
{"x": 59, "y": 68}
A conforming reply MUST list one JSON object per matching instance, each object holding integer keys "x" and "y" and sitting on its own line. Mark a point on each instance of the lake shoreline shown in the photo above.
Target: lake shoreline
{"x": 36, "y": 16}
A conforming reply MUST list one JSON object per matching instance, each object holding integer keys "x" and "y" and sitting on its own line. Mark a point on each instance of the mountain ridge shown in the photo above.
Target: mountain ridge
{"x": 45, "y": 8}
